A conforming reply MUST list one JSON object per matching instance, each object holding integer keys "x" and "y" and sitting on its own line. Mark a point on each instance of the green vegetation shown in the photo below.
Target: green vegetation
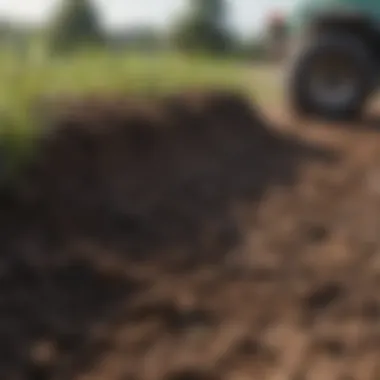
{"x": 24, "y": 81}
{"x": 204, "y": 28}
{"x": 76, "y": 24}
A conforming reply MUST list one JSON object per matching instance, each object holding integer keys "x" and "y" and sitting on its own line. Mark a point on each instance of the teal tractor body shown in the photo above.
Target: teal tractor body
{"x": 305, "y": 11}
{"x": 333, "y": 57}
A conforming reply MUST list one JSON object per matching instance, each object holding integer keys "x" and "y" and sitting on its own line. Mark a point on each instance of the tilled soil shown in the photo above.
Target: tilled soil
{"x": 192, "y": 240}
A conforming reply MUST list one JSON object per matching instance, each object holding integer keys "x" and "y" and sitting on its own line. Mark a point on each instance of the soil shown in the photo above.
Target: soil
{"x": 192, "y": 238}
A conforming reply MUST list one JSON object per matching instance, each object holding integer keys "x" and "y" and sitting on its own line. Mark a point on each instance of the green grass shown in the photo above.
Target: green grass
{"x": 25, "y": 79}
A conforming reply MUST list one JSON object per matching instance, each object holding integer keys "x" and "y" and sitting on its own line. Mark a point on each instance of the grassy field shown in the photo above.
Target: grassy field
{"x": 26, "y": 78}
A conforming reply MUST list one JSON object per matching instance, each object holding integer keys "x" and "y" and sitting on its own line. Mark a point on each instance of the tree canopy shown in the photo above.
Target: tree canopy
{"x": 76, "y": 24}
{"x": 204, "y": 27}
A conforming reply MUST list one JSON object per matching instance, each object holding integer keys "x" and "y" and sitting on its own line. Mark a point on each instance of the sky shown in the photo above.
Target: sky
{"x": 246, "y": 15}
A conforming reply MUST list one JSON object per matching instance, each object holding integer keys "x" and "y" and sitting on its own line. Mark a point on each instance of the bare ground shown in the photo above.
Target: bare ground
{"x": 241, "y": 248}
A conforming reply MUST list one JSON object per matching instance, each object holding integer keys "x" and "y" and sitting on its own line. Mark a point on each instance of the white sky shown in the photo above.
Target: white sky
{"x": 246, "y": 15}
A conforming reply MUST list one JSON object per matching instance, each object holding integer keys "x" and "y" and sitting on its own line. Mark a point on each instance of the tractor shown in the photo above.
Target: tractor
{"x": 333, "y": 57}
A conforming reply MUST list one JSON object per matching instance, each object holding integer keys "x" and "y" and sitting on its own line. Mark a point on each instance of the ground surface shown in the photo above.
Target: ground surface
{"x": 306, "y": 307}
{"x": 295, "y": 297}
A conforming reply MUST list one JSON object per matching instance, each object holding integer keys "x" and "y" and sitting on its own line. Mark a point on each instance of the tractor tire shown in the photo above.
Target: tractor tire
{"x": 342, "y": 59}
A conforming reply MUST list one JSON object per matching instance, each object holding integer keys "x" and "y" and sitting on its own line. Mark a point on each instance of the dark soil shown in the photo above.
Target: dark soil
{"x": 187, "y": 238}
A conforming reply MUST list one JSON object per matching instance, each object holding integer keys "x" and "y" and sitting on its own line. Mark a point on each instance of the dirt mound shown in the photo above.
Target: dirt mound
{"x": 150, "y": 170}
{"x": 114, "y": 243}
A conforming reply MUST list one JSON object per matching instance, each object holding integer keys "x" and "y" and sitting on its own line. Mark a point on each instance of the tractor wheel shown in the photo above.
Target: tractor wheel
{"x": 332, "y": 77}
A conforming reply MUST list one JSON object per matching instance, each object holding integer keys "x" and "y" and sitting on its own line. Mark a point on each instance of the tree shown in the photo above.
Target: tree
{"x": 204, "y": 28}
{"x": 76, "y": 24}
{"x": 212, "y": 12}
